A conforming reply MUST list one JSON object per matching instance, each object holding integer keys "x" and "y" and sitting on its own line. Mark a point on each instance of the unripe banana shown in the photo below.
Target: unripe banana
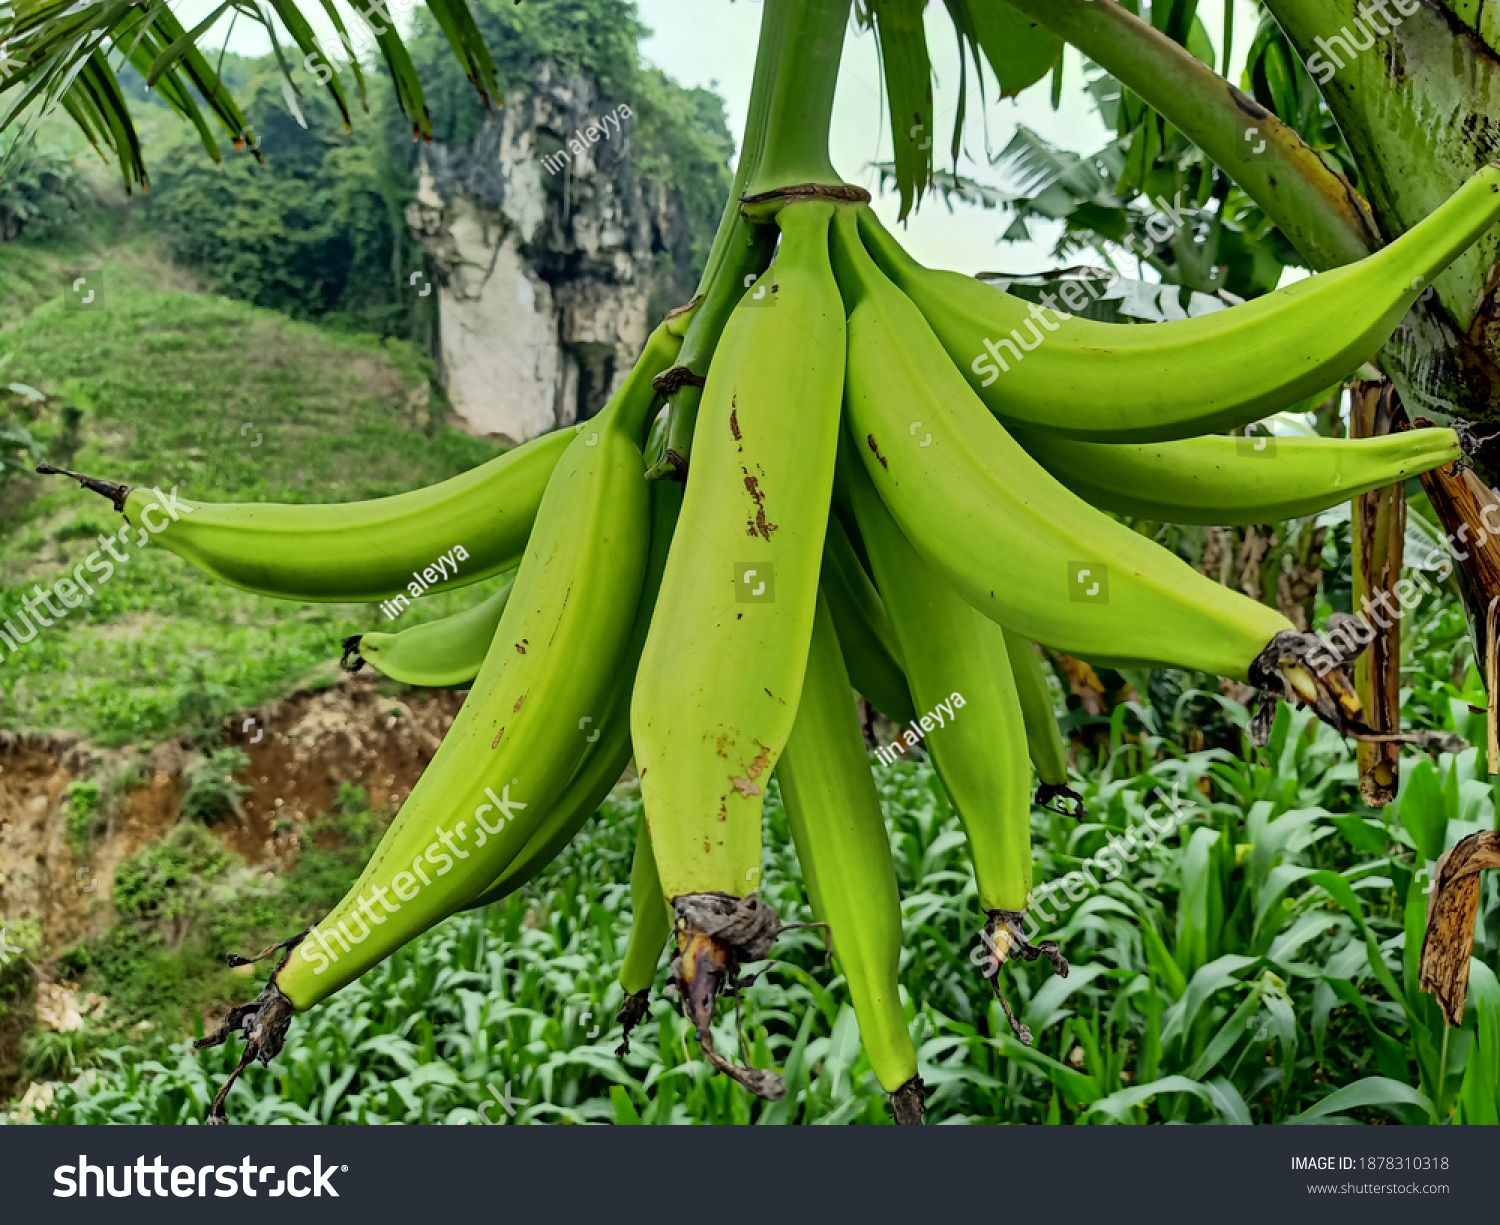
{"x": 650, "y": 925}
{"x": 958, "y": 666}
{"x": 1044, "y": 738}
{"x": 358, "y": 552}
{"x": 1224, "y": 481}
{"x": 717, "y": 690}
{"x": 355, "y": 552}
{"x": 443, "y": 654}
{"x": 1036, "y": 366}
{"x": 608, "y": 753}
{"x": 871, "y": 653}
{"x": 557, "y": 652}
{"x": 845, "y": 854}
{"x": 1017, "y": 545}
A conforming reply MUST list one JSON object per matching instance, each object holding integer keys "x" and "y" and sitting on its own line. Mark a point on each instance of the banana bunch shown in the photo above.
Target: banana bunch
{"x": 897, "y": 483}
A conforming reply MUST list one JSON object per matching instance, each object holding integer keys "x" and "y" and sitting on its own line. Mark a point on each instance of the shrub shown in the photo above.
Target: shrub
{"x": 159, "y": 881}
{"x": 83, "y": 803}
{"x": 212, "y": 792}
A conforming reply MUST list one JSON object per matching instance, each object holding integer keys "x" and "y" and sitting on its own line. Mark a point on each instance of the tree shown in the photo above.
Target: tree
{"x": 695, "y": 621}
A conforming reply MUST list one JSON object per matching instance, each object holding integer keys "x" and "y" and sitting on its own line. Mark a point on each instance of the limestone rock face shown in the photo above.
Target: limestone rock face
{"x": 549, "y": 250}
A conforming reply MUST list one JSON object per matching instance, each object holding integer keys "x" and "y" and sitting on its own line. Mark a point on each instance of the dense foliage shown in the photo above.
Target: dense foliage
{"x": 319, "y": 230}
{"x": 1255, "y": 963}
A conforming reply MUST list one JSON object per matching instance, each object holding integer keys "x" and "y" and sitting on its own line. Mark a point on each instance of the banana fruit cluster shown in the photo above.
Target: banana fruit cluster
{"x": 867, "y": 511}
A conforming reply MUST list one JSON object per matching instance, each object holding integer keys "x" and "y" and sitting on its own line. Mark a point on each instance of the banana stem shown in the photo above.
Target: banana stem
{"x": 773, "y": 19}
{"x": 786, "y": 145}
{"x": 805, "y": 41}
{"x": 747, "y": 256}
{"x": 114, "y": 492}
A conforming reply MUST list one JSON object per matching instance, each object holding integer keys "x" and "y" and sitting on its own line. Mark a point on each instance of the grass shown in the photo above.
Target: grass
{"x": 230, "y": 403}
{"x": 1255, "y": 963}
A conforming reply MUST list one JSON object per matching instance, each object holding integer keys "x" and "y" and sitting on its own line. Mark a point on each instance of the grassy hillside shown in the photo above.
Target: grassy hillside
{"x": 165, "y": 387}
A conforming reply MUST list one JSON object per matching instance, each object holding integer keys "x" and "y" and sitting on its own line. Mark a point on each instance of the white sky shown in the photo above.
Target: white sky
{"x": 711, "y": 43}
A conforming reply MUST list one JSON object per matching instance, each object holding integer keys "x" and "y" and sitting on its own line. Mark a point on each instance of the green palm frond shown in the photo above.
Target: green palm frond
{"x": 69, "y": 53}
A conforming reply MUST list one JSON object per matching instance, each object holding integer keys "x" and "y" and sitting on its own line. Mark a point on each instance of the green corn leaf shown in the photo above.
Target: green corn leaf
{"x": 1373, "y": 1091}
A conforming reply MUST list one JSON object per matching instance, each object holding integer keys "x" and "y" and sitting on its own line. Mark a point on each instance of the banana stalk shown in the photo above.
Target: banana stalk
{"x": 1378, "y": 538}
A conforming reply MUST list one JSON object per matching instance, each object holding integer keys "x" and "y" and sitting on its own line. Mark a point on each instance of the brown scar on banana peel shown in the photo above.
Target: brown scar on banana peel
{"x": 1004, "y": 938}
{"x": 716, "y": 934}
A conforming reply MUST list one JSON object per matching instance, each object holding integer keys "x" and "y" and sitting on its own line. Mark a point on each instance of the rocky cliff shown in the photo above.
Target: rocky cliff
{"x": 553, "y": 257}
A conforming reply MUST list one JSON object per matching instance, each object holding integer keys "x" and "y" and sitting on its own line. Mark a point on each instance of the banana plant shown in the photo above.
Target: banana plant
{"x": 820, "y": 375}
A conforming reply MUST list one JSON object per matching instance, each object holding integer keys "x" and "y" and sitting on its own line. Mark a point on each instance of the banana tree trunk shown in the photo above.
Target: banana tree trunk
{"x": 1379, "y": 535}
{"x": 1413, "y": 93}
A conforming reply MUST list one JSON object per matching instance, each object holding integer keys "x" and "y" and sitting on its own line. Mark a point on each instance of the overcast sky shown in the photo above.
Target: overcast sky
{"x": 711, "y": 43}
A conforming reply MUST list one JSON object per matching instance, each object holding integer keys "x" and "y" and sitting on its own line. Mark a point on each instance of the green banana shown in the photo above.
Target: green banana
{"x": 1044, "y": 738}
{"x": 1016, "y": 544}
{"x": 556, "y": 655}
{"x": 355, "y": 552}
{"x": 740, "y": 588}
{"x": 1147, "y": 383}
{"x": 442, "y": 654}
{"x": 395, "y": 548}
{"x": 845, "y": 854}
{"x": 650, "y": 925}
{"x": 608, "y": 753}
{"x": 869, "y": 645}
{"x": 958, "y": 665}
{"x": 1225, "y": 481}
